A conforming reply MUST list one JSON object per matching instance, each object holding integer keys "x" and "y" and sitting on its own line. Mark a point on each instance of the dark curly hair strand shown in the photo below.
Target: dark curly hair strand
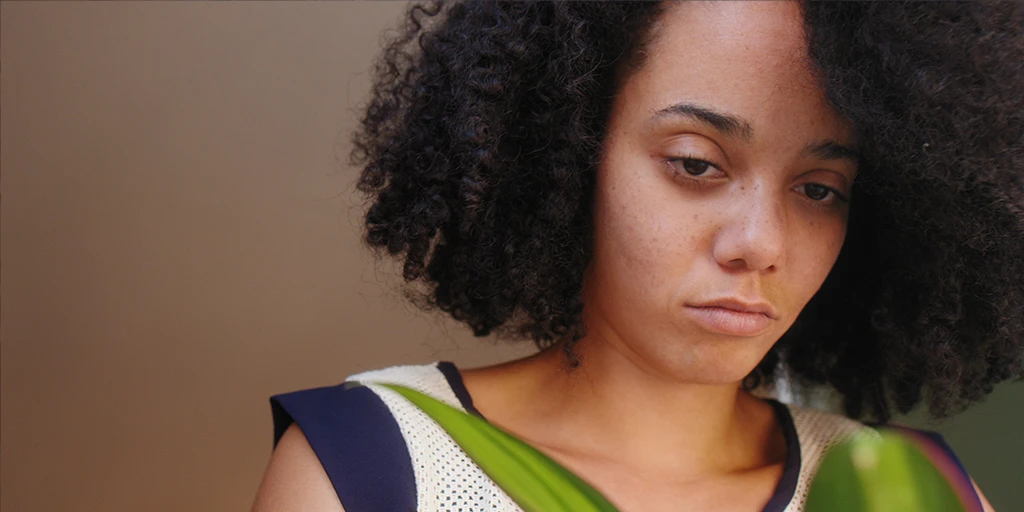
{"x": 484, "y": 129}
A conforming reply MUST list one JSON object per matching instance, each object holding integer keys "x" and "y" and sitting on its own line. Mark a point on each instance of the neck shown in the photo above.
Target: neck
{"x": 611, "y": 407}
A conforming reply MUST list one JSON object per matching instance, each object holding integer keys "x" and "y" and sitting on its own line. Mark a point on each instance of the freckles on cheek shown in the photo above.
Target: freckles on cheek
{"x": 640, "y": 239}
{"x": 631, "y": 237}
{"x": 645, "y": 223}
{"x": 818, "y": 250}
{"x": 656, "y": 243}
{"x": 835, "y": 234}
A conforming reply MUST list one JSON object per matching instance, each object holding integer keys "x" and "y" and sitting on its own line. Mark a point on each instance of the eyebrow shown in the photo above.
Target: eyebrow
{"x": 733, "y": 126}
{"x": 832, "y": 150}
{"x": 727, "y": 124}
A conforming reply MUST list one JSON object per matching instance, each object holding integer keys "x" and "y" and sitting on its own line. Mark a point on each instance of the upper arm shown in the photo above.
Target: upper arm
{"x": 295, "y": 480}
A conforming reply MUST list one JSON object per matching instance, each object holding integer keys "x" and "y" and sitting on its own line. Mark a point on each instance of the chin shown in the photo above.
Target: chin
{"x": 713, "y": 366}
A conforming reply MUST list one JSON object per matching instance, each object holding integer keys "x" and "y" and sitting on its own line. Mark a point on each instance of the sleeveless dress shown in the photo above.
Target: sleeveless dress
{"x": 383, "y": 454}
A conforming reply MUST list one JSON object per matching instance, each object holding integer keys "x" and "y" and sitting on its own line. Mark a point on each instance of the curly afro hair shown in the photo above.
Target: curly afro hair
{"x": 480, "y": 142}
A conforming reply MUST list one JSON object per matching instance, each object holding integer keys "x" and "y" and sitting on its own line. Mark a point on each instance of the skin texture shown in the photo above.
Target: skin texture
{"x": 295, "y": 481}
{"x": 745, "y": 228}
{"x": 688, "y": 209}
{"x": 667, "y": 241}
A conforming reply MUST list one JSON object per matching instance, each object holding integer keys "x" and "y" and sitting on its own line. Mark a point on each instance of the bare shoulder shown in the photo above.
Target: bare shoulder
{"x": 295, "y": 481}
{"x": 984, "y": 501}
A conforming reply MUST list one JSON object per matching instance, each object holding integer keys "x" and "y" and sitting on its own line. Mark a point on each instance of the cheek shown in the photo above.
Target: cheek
{"x": 628, "y": 236}
{"x": 815, "y": 252}
{"x": 645, "y": 237}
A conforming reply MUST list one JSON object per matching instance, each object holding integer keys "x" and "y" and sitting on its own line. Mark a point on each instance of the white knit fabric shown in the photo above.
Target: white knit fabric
{"x": 447, "y": 480}
{"x": 817, "y": 432}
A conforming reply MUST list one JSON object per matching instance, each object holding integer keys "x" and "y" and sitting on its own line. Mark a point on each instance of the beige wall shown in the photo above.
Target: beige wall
{"x": 179, "y": 243}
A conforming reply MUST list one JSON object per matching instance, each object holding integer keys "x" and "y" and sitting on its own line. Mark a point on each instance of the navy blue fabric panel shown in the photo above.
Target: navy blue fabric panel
{"x": 791, "y": 475}
{"x": 358, "y": 443}
{"x": 454, "y": 378}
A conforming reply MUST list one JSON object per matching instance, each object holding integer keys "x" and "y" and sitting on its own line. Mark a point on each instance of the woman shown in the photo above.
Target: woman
{"x": 674, "y": 201}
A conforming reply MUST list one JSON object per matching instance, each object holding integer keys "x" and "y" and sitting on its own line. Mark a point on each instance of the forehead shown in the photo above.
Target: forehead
{"x": 746, "y": 58}
{"x": 758, "y": 29}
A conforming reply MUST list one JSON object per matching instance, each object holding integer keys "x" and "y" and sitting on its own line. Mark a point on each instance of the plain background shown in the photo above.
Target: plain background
{"x": 180, "y": 240}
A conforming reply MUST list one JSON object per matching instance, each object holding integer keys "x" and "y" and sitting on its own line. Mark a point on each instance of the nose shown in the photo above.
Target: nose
{"x": 752, "y": 235}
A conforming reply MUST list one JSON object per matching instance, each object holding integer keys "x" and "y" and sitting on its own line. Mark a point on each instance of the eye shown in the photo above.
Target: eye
{"x": 822, "y": 193}
{"x": 692, "y": 166}
{"x": 816, "y": 192}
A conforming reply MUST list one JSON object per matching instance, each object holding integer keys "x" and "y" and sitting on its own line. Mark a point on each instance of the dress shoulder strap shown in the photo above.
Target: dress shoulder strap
{"x": 446, "y": 479}
{"x": 430, "y": 379}
{"x": 358, "y": 441}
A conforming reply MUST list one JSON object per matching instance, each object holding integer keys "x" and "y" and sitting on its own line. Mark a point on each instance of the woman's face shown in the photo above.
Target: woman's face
{"x": 721, "y": 201}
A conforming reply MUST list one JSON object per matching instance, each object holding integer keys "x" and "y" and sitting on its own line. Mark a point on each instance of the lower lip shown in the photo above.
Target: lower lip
{"x": 730, "y": 321}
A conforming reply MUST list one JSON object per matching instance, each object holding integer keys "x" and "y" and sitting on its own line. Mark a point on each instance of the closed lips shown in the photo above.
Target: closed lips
{"x": 732, "y": 318}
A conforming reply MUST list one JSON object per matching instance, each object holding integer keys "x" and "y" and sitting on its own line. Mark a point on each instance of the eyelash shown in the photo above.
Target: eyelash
{"x": 675, "y": 166}
{"x": 839, "y": 198}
